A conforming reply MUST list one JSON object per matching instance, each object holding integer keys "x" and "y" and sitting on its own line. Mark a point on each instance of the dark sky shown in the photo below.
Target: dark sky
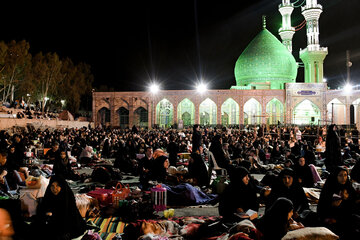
{"x": 128, "y": 43}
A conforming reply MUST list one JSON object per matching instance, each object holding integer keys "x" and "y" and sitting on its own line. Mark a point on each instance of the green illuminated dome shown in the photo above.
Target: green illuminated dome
{"x": 265, "y": 63}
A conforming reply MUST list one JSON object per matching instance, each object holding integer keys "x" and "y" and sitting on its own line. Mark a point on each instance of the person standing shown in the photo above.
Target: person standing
{"x": 196, "y": 138}
{"x": 173, "y": 150}
{"x": 333, "y": 149}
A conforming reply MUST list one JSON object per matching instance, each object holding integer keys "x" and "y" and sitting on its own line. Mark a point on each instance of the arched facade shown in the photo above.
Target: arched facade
{"x": 306, "y": 113}
{"x": 220, "y": 106}
{"x": 123, "y": 117}
{"x": 274, "y": 112}
{"x": 208, "y": 112}
{"x": 336, "y": 112}
{"x": 186, "y": 112}
{"x": 164, "y": 113}
{"x": 252, "y": 112}
{"x": 230, "y": 112}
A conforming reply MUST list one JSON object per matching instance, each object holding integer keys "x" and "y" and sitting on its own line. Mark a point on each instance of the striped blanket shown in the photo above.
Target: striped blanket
{"x": 108, "y": 226}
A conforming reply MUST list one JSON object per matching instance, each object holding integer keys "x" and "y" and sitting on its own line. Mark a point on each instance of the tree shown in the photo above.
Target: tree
{"x": 77, "y": 81}
{"x": 46, "y": 70}
{"x": 14, "y": 59}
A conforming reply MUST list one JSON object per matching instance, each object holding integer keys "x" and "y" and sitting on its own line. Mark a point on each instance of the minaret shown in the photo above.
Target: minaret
{"x": 286, "y": 32}
{"x": 313, "y": 56}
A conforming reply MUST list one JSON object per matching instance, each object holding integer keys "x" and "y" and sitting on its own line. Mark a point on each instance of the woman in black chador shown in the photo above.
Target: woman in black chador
{"x": 239, "y": 196}
{"x": 276, "y": 221}
{"x": 287, "y": 186}
{"x": 337, "y": 205}
{"x": 57, "y": 216}
{"x": 333, "y": 149}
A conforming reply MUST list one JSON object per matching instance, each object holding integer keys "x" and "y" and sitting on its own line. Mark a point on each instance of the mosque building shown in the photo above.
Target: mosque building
{"x": 266, "y": 90}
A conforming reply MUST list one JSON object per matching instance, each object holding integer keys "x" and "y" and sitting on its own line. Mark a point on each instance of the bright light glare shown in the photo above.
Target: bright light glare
{"x": 154, "y": 88}
{"x": 348, "y": 88}
{"x": 46, "y": 98}
{"x": 324, "y": 80}
{"x": 201, "y": 87}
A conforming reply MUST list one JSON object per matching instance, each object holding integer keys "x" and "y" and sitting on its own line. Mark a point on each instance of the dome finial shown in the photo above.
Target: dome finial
{"x": 264, "y": 21}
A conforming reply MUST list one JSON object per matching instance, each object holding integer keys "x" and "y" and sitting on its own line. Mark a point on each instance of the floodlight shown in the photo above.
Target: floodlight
{"x": 324, "y": 79}
{"x": 201, "y": 87}
{"x": 154, "y": 88}
{"x": 348, "y": 88}
{"x": 46, "y": 98}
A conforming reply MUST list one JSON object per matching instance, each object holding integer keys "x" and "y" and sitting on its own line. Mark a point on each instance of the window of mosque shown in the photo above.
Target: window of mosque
{"x": 186, "y": 112}
{"x": 230, "y": 112}
{"x": 164, "y": 113}
{"x": 207, "y": 112}
{"x": 306, "y": 113}
{"x": 252, "y": 112}
{"x": 274, "y": 112}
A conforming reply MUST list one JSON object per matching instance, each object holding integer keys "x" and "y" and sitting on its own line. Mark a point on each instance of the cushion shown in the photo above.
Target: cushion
{"x": 313, "y": 233}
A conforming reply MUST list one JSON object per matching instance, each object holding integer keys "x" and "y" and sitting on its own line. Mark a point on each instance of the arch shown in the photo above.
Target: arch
{"x": 104, "y": 116}
{"x": 336, "y": 111}
{"x": 123, "y": 117}
{"x": 164, "y": 113}
{"x": 186, "y": 112}
{"x": 141, "y": 117}
{"x": 305, "y": 113}
{"x": 275, "y": 111}
{"x": 230, "y": 112}
{"x": 252, "y": 110}
{"x": 207, "y": 112}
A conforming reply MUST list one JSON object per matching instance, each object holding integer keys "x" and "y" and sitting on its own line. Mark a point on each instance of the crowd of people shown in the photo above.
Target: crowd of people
{"x": 287, "y": 156}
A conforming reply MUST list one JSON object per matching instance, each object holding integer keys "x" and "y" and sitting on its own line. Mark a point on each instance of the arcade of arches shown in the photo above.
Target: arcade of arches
{"x": 227, "y": 107}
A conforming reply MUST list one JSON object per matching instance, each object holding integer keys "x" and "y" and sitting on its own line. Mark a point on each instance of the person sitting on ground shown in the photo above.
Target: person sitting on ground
{"x": 159, "y": 171}
{"x": 198, "y": 170}
{"x": 145, "y": 166}
{"x": 53, "y": 153}
{"x": 218, "y": 152}
{"x": 303, "y": 173}
{"x": 287, "y": 186}
{"x": 238, "y": 197}
{"x": 87, "y": 155}
{"x": 337, "y": 205}
{"x": 62, "y": 167}
{"x": 277, "y": 220}
{"x": 3, "y": 172}
{"x": 57, "y": 216}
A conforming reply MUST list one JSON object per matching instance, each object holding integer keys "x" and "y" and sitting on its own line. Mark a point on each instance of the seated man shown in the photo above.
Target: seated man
{"x": 53, "y": 153}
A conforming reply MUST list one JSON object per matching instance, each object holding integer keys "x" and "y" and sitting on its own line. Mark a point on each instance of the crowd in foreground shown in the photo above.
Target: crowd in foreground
{"x": 288, "y": 157}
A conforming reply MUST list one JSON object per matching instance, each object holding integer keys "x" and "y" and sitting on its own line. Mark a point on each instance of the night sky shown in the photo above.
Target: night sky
{"x": 175, "y": 42}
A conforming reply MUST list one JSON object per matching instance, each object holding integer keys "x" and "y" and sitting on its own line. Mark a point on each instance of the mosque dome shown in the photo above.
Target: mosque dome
{"x": 265, "y": 62}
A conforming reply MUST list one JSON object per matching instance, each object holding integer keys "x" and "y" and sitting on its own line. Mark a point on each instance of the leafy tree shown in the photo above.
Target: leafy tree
{"x": 76, "y": 83}
{"x": 14, "y": 59}
{"x": 46, "y": 71}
